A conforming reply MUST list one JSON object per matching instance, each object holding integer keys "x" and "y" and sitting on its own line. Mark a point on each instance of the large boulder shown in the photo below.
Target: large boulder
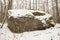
{"x": 22, "y": 24}
{"x": 28, "y": 20}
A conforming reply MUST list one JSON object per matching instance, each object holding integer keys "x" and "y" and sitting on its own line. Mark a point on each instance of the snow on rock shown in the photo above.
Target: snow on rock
{"x": 52, "y": 33}
{"x": 18, "y": 13}
{"x": 43, "y": 17}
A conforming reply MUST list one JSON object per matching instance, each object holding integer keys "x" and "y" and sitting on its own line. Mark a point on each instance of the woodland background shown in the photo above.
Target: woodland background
{"x": 49, "y": 6}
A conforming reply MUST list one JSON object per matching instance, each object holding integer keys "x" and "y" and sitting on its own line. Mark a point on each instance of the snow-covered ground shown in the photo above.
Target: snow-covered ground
{"x": 52, "y": 33}
{"x": 48, "y": 34}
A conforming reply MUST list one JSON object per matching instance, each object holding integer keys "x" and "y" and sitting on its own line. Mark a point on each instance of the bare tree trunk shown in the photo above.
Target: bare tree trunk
{"x": 0, "y": 10}
{"x": 10, "y": 4}
{"x": 53, "y": 11}
{"x": 57, "y": 12}
{"x": 44, "y": 6}
{"x": 47, "y": 7}
{"x": 30, "y": 5}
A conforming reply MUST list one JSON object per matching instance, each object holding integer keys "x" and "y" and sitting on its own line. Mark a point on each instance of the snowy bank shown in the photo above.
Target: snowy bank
{"x": 48, "y": 34}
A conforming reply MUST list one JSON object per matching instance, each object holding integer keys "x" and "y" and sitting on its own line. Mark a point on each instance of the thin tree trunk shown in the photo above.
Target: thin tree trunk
{"x": 57, "y": 11}
{"x": 47, "y": 7}
{"x": 56, "y": 14}
{"x": 30, "y": 4}
{"x": 10, "y": 4}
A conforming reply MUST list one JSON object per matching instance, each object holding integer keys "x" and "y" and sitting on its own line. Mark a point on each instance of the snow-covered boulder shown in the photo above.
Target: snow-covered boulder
{"x": 22, "y": 19}
{"x": 19, "y": 13}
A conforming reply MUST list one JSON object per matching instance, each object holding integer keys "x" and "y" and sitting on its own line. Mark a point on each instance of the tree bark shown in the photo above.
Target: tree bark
{"x": 57, "y": 11}
{"x": 10, "y": 4}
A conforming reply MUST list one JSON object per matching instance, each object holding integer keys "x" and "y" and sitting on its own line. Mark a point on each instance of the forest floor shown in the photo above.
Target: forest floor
{"x": 52, "y": 33}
